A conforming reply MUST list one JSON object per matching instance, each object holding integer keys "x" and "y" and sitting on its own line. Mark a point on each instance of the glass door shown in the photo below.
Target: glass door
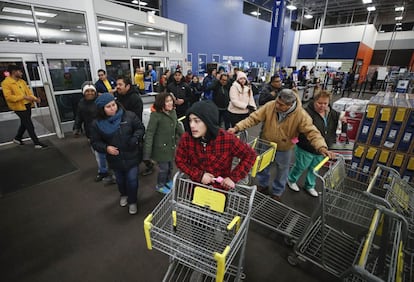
{"x": 41, "y": 117}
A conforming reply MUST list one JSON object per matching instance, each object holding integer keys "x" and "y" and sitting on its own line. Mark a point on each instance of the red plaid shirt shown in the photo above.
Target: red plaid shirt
{"x": 194, "y": 158}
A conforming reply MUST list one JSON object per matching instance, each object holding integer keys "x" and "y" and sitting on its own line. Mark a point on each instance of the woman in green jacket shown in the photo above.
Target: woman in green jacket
{"x": 161, "y": 138}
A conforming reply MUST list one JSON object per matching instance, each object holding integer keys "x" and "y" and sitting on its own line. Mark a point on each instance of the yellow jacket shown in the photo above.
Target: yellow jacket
{"x": 14, "y": 92}
{"x": 139, "y": 80}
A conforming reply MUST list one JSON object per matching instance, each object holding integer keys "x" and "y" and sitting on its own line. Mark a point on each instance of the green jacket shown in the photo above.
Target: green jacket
{"x": 161, "y": 136}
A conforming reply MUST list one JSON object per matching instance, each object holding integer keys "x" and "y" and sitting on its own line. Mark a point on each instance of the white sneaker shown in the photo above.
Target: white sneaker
{"x": 123, "y": 201}
{"x": 293, "y": 186}
{"x": 312, "y": 192}
{"x": 133, "y": 208}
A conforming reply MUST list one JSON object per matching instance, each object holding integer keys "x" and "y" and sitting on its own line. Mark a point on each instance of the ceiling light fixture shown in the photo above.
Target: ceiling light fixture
{"x": 142, "y": 3}
{"x": 398, "y": 24}
{"x": 399, "y": 9}
{"x": 291, "y": 7}
{"x": 255, "y": 13}
{"x": 20, "y": 19}
{"x": 398, "y": 18}
{"x": 371, "y": 8}
{"x": 366, "y": 1}
{"x": 307, "y": 16}
{"x": 399, "y": 28}
{"x": 134, "y": 2}
{"x": 106, "y": 22}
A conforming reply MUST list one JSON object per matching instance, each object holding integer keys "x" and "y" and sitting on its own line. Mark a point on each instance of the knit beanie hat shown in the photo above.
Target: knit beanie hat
{"x": 241, "y": 74}
{"x": 104, "y": 99}
{"x": 207, "y": 111}
{"x": 88, "y": 85}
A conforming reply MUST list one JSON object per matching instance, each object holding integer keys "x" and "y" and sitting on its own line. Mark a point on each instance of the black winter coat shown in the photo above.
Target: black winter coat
{"x": 132, "y": 101}
{"x": 328, "y": 132}
{"x": 85, "y": 115}
{"x": 181, "y": 90}
{"x": 128, "y": 139}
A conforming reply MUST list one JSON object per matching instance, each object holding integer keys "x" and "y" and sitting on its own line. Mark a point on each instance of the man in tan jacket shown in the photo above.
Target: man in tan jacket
{"x": 283, "y": 119}
{"x": 20, "y": 99}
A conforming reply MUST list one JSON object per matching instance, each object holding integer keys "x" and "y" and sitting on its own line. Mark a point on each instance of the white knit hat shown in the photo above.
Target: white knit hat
{"x": 87, "y": 87}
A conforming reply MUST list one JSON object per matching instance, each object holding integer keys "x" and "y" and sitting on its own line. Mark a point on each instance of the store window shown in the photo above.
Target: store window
{"x": 68, "y": 74}
{"x": 17, "y": 23}
{"x": 147, "y": 38}
{"x": 112, "y": 33}
{"x": 175, "y": 43}
{"x": 257, "y": 11}
{"x": 115, "y": 68}
{"x": 66, "y": 28}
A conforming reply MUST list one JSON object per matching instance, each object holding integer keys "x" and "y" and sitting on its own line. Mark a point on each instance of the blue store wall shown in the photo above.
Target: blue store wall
{"x": 220, "y": 27}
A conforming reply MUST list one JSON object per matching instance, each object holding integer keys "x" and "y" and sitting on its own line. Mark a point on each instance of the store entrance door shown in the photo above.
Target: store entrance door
{"x": 41, "y": 117}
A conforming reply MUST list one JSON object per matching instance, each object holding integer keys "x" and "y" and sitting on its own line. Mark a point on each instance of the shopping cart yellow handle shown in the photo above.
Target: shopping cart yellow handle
{"x": 374, "y": 179}
{"x": 236, "y": 220}
{"x": 368, "y": 241}
{"x": 400, "y": 263}
{"x": 318, "y": 167}
{"x": 174, "y": 218}
{"x": 147, "y": 227}
{"x": 221, "y": 263}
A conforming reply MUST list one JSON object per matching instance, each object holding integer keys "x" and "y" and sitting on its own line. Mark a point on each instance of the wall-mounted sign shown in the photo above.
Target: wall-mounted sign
{"x": 215, "y": 58}
{"x": 202, "y": 64}
{"x": 233, "y": 58}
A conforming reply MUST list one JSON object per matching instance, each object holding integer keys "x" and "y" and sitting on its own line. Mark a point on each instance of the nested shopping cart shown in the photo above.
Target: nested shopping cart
{"x": 353, "y": 234}
{"x": 266, "y": 211}
{"x": 202, "y": 229}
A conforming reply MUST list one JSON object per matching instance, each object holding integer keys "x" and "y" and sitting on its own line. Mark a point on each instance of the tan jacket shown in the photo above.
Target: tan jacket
{"x": 240, "y": 98}
{"x": 14, "y": 92}
{"x": 283, "y": 132}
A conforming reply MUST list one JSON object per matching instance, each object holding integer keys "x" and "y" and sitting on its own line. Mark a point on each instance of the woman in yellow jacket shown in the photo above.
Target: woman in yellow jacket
{"x": 139, "y": 79}
{"x": 20, "y": 99}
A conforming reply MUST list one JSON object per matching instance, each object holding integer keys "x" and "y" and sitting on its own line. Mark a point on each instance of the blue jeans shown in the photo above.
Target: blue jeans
{"x": 101, "y": 161}
{"x": 164, "y": 175}
{"x": 304, "y": 160}
{"x": 282, "y": 162}
{"x": 127, "y": 181}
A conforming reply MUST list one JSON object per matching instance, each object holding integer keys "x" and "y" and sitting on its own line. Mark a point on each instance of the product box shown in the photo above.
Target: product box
{"x": 383, "y": 120}
{"x": 407, "y": 134}
{"x": 368, "y": 163}
{"x": 394, "y": 132}
{"x": 384, "y": 157}
{"x": 364, "y": 130}
{"x": 397, "y": 161}
{"x": 408, "y": 173}
{"x": 357, "y": 156}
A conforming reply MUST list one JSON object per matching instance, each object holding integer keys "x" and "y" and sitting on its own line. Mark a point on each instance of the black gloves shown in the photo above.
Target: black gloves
{"x": 251, "y": 108}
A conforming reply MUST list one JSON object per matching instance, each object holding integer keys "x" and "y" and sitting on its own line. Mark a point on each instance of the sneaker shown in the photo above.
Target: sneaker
{"x": 18, "y": 141}
{"x": 293, "y": 186}
{"x": 133, "y": 209}
{"x": 312, "y": 192}
{"x": 169, "y": 184}
{"x": 40, "y": 146}
{"x": 123, "y": 201}
{"x": 101, "y": 176}
{"x": 110, "y": 179}
{"x": 263, "y": 189}
{"x": 163, "y": 189}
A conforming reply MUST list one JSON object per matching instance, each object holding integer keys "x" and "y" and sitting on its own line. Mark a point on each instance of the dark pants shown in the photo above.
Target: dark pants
{"x": 235, "y": 118}
{"x": 127, "y": 181}
{"x": 26, "y": 124}
{"x": 224, "y": 117}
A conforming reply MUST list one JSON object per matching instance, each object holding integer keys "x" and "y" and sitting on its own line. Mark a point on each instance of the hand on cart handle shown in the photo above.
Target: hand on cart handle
{"x": 326, "y": 153}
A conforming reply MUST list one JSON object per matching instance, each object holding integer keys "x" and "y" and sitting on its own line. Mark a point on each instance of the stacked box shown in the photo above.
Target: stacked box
{"x": 386, "y": 135}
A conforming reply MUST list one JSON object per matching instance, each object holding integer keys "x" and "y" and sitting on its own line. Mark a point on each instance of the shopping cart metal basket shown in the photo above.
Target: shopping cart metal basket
{"x": 201, "y": 227}
{"x": 343, "y": 236}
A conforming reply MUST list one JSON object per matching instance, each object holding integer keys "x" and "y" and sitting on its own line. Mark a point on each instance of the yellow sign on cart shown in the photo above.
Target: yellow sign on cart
{"x": 208, "y": 198}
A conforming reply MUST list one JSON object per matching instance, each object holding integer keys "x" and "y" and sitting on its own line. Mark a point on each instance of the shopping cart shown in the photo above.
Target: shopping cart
{"x": 353, "y": 234}
{"x": 202, "y": 229}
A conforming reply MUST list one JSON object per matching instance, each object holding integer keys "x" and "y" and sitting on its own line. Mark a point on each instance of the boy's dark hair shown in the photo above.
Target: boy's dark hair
{"x": 160, "y": 101}
{"x": 125, "y": 79}
{"x": 101, "y": 70}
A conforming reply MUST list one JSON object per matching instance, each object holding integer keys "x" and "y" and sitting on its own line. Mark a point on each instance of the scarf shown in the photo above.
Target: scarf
{"x": 110, "y": 125}
{"x": 282, "y": 116}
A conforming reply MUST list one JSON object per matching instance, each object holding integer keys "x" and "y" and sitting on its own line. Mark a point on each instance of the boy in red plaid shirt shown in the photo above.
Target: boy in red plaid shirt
{"x": 205, "y": 152}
